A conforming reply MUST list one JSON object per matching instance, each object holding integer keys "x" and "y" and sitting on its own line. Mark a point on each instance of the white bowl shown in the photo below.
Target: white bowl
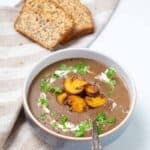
{"x": 65, "y": 142}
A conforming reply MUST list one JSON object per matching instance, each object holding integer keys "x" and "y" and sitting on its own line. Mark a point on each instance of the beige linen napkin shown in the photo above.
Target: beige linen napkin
{"x": 17, "y": 57}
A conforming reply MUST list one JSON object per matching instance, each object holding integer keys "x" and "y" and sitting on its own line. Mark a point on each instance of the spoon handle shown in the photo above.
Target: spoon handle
{"x": 96, "y": 145}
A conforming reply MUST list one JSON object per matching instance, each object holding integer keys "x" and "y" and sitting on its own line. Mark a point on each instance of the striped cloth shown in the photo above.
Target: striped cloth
{"x": 17, "y": 57}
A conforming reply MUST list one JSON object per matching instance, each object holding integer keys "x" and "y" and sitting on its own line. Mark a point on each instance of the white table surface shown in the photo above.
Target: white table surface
{"x": 127, "y": 39}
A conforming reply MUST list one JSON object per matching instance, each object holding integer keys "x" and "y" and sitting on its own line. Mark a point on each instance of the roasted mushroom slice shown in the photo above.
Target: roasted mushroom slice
{"x": 74, "y": 85}
{"x": 61, "y": 98}
{"x": 91, "y": 90}
{"x": 76, "y": 103}
{"x": 95, "y": 101}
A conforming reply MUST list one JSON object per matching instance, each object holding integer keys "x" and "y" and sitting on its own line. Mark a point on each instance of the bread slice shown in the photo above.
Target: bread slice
{"x": 81, "y": 15}
{"x": 44, "y": 22}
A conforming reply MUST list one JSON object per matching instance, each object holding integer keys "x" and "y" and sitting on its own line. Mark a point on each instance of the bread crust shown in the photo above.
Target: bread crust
{"x": 31, "y": 37}
{"x": 79, "y": 33}
{"x": 74, "y": 9}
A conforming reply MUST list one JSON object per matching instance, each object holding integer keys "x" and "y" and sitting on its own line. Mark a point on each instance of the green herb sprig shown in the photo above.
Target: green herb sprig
{"x": 111, "y": 73}
{"x": 102, "y": 120}
{"x": 47, "y": 87}
{"x": 83, "y": 126}
{"x": 64, "y": 67}
{"x": 43, "y": 102}
{"x": 55, "y": 76}
{"x": 81, "y": 68}
{"x": 56, "y": 90}
{"x": 63, "y": 120}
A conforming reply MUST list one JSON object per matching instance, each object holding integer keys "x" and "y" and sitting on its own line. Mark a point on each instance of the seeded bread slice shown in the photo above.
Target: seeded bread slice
{"x": 81, "y": 15}
{"x": 44, "y": 22}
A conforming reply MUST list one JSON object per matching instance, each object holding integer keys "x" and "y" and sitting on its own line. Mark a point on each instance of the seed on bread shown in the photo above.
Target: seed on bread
{"x": 82, "y": 17}
{"x": 44, "y": 22}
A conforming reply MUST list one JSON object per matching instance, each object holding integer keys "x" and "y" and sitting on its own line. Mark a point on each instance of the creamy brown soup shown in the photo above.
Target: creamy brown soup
{"x": 49, "y": 83}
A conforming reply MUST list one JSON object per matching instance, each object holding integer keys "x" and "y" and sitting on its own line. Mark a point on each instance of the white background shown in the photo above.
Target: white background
{"x": 126, "y": 38}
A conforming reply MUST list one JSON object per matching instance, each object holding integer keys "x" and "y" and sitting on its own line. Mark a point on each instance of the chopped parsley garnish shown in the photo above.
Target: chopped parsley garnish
{"x": 42, "y": 116}
{"x": 102, "y": 119}
{"x": 56, "y": 90}
{"x": 79, "y": 133}
{"x": 109, "y": 77}
{"x": 63, "y": 67}
{"x": 111, "y": 120}
{"x": 111, "y": 73}
{"x": 43, "y": 102}
{"x": 113, "y": 82}
{"x": 81, "y": 67}
{"x": 63, "y": 119}
{"x": 45, "y": 86}
{"x": 83, "y": 126}
{"x": 55, "y": 76}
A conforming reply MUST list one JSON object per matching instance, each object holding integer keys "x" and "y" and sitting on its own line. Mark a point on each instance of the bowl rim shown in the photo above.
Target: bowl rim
{"x": 49, "y": 131}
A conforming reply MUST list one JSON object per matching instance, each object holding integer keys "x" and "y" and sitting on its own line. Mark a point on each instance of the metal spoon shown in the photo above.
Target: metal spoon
{"x": 96, "y": 145}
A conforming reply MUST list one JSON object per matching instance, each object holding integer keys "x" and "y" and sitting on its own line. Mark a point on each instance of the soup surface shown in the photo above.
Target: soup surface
{"x": 67, "y": 95}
